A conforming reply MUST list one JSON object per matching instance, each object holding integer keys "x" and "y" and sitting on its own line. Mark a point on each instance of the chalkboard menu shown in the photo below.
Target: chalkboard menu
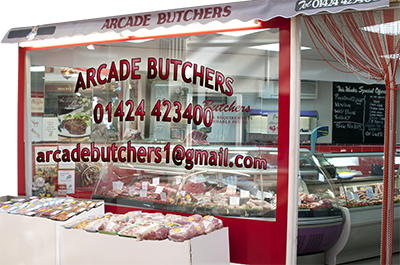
{"x": 358, "y": 114}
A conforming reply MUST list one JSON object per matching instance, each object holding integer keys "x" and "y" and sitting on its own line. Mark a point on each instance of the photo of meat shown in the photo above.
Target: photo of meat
{"x": 74, "y": 116}
{"x": 74, "y": 126}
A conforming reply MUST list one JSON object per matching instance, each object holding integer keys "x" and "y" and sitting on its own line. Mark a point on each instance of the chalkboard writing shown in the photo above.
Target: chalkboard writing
{"x": 358, "y": 114}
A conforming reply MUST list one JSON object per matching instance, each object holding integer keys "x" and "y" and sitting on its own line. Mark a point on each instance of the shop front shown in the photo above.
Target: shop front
{"x": 189, "y": 111}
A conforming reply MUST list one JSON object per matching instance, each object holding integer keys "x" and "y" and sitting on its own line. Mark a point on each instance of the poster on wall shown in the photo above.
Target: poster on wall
{"x": 272, "y": 122}
{"x": 36, "y": 131}
{"x": 67, "y": 177}
{"x": 74, "y": 115}
{"x": 37, "y": 103}
{"x": 50, "y": 129}
{"x": 358, "y": 113}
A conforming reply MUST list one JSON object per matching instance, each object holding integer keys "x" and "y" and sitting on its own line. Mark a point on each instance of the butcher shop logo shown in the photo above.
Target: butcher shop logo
{"x": 316, "y": 4}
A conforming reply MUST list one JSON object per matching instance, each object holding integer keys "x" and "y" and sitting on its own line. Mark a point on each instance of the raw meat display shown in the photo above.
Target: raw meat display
{"x": 150, "y": 226}
{"x": 74, "y": 126}
{"x": 196, "y": 137}
{"x": 59, "y": 209}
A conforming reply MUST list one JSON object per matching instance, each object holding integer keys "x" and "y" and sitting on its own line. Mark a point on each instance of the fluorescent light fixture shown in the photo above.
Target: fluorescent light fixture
{"x": 242, "y": 32}
{"x": 90, "y": 47}
{"x": 143, "y": 33}
{"x": 139, "y": 41}
{"x": 38, "y": 68}
{"x": 390, "y": 28}
{"x": 274, "y": 47}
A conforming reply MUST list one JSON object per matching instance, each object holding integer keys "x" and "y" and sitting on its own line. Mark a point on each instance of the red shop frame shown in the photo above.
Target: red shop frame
{"x": 251, "y": 241}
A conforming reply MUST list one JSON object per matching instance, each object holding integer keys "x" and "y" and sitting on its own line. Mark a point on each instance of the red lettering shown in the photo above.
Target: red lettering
{"x": 113, "y": 73}
{"x": 135, "y": 67}
{"x": 219, "y": 81}
{"x": 90, "y": 74}
{"x": 123, "y": 63}
{"x": 198, "y": 14}
{"x": 152, "y": 68}
{"x": 227, "y": 11}
{"x": 55, "y": 158}
{"x": 179, "y": 15}
{"x": 185, "y": 16}
{"x": 138, "y": 20}
{"x": 146, "y": 21}
{"x": 106, "y": 24}
{"x": 161, "y": 18}
{"x": 186, "y": 64}
{"x": 129, "y": 23}
{"x": 99, "y": 80}
{"x": 160, "y": 72}
{"x": 119, "y": 23}
{"x": 113, "y": 23}
{"x": 198, "y": 74}
{"x": 217, "y": 12}
{"x": 85, "y": 153}
{"x": 228, "y": 83}
{"x": 176, "y": 63}
{"x": 209, "y": 72}
{"x": 141, "y": 154}
{"x": 207, "y": 13}
{"x": 80, "y": 83}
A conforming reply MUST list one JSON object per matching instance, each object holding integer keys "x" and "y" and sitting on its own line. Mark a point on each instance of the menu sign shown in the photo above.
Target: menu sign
{"x": 358, "y": 113}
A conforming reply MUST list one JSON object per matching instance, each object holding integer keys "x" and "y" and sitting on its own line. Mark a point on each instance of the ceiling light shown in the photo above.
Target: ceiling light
{"x": 139, "y": 41}
{"x": 390, "y": 28}
{"x": 274, "y": 47}
{"x": 38, "y": 68}
{"x": 242, "y": 32}
{"x": 90, "y": 47}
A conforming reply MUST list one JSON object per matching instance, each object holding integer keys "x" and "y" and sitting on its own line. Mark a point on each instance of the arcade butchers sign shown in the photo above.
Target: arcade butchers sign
{"x": 358, "y": 113}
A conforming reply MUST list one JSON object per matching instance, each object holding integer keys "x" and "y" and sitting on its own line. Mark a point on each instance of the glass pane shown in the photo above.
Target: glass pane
{"x": 185, "y": 124}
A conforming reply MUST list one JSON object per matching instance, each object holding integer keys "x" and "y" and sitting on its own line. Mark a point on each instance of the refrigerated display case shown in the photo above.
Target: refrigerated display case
{"x": 237, "y": 192}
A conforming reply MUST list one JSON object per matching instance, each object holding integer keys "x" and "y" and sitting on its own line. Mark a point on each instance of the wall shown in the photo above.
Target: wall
{"x": 9, "y": 120}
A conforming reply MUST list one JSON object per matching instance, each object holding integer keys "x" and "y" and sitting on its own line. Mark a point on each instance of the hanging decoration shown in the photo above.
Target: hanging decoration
{"x": 367, "y": 44}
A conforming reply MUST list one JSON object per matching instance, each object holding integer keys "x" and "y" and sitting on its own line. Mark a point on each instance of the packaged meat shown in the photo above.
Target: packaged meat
{"x": 211, "y": 223}
{"x": 63, "y": 216}
{"x": 159, "y": 232}
{"x": 179, "y": 234}
{"x": 138, "y": 228}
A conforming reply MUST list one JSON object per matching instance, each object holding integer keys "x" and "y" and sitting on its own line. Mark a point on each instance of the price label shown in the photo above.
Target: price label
{"x": 298, "y": 201}
{"x": 356, "y": 197}
{"x": 163, "y": 196}
{"x": 341, "y": 190}
{"x": 193, "y": 178}
{"x": 331, "y": 193}
{"x": 370, "y": 194}
{"x": 354, "y": 188}
{"x": 244, "y": 194}
{"x": 234, "y": 201}
{"x": 145, "y": 185}
{"x": 156, "y": 181}
{"x": 178, "y": 180}
{"x": 268, "y": 194}
{"x": 143, "y": 193}
{"x": 259, "y": 195}
{"x": 231, "y": 189}
{"x": 350, "y": 195}
{"x": 159, "y": 189}
{"x": 183, "y": 192}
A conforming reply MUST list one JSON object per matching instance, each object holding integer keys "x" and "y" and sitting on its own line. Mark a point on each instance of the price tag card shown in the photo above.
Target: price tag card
{"x": 298, "y": 200}
{"x": 163, "y": 196}
{"x": 234, "y": 201}
{"x": 130, "y": 190}
{"x": 331, "y": 193}
{"x": 356, "y": 197}
{"x": 156, "y": 181}
{"x": 183, "y": 192}
{"x": 159, "y": 189}
{"x": 178, "y": 180}
{"x": 354, "y": 188}
{"x": 259, "y": 195}
{"x": 341, "y": 190}
{"x": 208, "y": 193}
{"x": 201, "y": 178}
{"x": 370, "y": 194}
{"x": 143, "y": 193}
{"x": 145, "y": 185}
{"x": 193, "y": 178}
{"x": 231, "y": 189}
{"x": 244, "y": 194}
{"x": 369, "y": 188}
{"x": 118, "y": 185}
{"x": 268, "y": 194}
{"x": 350, "y": 195}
